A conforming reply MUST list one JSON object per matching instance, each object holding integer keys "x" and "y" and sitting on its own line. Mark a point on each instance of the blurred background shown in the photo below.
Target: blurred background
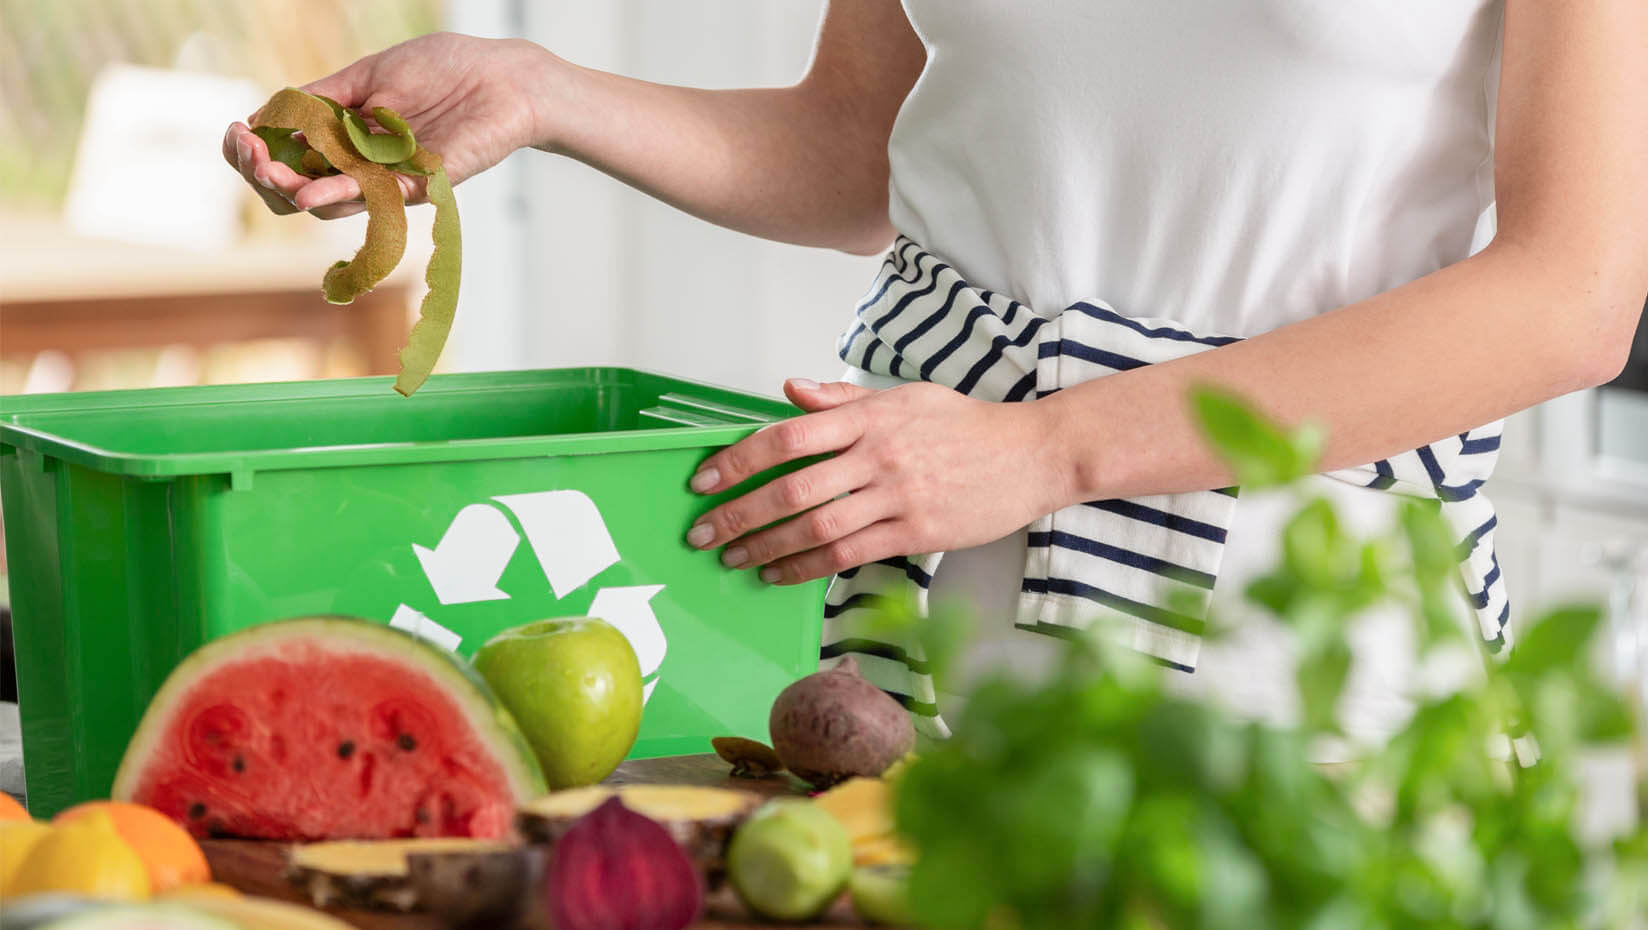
{"x": 134, "y": 258}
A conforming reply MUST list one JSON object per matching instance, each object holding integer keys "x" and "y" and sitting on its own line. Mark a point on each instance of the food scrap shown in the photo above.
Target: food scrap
{"x": 336, "y": 139}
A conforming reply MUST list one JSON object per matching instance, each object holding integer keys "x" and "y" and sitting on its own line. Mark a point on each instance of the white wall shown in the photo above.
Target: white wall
{"x": 565, "y": 267}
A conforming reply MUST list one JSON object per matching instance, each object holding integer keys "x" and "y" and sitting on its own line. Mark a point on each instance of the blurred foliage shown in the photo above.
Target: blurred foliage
{"x": 1096, "y": 799}
{"x": 52, "y": 50}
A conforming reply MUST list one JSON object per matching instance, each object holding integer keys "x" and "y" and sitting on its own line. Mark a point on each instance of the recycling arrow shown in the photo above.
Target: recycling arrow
{"x": 464, "y": 567}
{"x": 567, "y": 535}
{"x": 630, "y": 610}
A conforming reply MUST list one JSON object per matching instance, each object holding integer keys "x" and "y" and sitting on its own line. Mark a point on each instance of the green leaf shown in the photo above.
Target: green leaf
{"x": 1275, "y": 592}
{"x": 1317, "y": 550}
{"x": 1555, "y": 640}
{"x": 954, "y": 886}
{"x": 1321, "y": 677}
{"x": 1261, "y": 453}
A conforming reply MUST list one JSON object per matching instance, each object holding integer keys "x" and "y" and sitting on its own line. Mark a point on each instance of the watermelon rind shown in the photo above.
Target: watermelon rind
{"x": 492, "y": 723}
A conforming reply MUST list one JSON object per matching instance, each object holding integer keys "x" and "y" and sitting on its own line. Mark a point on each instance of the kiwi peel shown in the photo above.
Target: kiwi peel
{"x": 749, "y": 758}
{"x": 337, "y": 140}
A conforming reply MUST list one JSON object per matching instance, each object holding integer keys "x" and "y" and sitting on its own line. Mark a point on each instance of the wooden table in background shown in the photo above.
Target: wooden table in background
{"x": 255, "y": 868}
{"x": 70, "y": 293}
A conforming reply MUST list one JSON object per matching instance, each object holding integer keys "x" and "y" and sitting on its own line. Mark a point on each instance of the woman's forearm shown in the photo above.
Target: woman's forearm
{"x": 805, "y": 164}
{"x": 1464, "y": 346}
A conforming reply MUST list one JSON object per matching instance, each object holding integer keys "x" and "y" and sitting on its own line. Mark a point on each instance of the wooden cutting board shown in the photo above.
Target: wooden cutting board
{"x": 256, "y": 867}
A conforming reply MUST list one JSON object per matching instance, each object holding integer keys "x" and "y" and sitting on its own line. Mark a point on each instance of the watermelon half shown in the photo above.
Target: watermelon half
{"x": 328, "y": 728}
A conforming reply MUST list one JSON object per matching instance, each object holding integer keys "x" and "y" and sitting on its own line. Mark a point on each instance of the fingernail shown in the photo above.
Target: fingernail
{"x": 243, "y": 150}
{"x": 771, "y": 575}
{"x": 734, "y": 557}
{"x": 700, "y": 535}
{"x": 805, "y": 384}
{"x": 264, "y": 180}
{"x": 706, "y": 479}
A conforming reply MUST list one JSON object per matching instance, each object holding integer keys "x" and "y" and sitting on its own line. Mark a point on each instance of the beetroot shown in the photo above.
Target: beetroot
{"x": 618, "y": 870}
{"x": 833, "y": 725}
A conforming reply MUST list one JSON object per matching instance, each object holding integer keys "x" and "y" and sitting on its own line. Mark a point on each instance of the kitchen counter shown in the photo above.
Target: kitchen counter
{"x": 255, "y": 867}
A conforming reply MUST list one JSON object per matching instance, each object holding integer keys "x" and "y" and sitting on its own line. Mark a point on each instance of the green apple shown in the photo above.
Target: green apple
{"x": 574, "y": 686}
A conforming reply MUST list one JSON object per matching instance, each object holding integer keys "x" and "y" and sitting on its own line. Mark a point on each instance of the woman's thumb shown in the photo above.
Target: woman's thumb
{"x": 812, "y": 396}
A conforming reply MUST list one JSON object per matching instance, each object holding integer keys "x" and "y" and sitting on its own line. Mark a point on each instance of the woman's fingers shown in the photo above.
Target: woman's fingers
{"x": 247, "y": 154}
{"x": 811, "y": 434}
{"x": 782, "y": 497}
{"x": 323, "y": 192}
{"x": 817, "y": 527}
{"x": 873, "y": 543}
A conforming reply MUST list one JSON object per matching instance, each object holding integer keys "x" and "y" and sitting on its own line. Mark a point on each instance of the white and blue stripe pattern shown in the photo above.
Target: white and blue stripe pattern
{"x": 1131, "y": 558}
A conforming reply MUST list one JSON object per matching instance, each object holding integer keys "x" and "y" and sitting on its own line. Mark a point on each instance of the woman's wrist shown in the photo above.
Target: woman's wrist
{"x": 1068, "y": 465}
{"x": 545, "y": 82}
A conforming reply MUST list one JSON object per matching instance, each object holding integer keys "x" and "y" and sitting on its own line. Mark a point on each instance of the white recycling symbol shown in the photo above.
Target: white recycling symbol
{"x": 570, "y": 540}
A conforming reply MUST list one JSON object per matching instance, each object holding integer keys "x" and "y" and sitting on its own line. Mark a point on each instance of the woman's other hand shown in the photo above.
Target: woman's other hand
{"x": 919, "y": 468}
{"x": 469, "y": 100}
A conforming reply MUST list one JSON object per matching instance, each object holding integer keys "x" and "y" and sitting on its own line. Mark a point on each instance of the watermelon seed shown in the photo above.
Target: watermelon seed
{"x": 346, "y": 749}
{"x": 406, "y": 742}
{"x": 239, "y": 764}
{"x": 421, "y": 815}
{"x": 197, "y": 810}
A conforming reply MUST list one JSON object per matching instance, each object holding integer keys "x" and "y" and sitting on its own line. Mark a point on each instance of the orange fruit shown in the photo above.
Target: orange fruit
{"x": 170, "y": 854}
{"x": 10, "y": 809}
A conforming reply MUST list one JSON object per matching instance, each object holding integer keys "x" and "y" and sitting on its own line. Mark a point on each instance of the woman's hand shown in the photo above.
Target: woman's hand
{"x": 923, "y": 468}
{"x": 469, "y": 100}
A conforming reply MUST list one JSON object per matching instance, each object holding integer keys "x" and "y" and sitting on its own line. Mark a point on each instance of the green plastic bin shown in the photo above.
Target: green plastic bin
{"x": 140, "y": 524}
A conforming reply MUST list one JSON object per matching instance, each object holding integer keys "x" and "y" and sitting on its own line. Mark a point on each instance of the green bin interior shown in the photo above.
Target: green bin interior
{"x": 140, "y": 524}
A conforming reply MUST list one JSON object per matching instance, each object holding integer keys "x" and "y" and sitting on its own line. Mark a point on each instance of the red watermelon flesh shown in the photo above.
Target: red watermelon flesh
{"x": 328, "y": 728}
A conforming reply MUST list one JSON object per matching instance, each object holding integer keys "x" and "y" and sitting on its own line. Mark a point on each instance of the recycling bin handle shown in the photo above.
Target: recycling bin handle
{"x": 717, "y": 409}
{"x": 688, "y": 410}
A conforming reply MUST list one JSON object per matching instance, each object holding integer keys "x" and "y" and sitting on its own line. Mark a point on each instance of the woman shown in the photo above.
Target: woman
{"x": 1422, "y": 217}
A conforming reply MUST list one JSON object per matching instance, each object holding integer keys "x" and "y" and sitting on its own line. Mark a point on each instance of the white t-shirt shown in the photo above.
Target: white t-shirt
{"x": 1234, "y": 166}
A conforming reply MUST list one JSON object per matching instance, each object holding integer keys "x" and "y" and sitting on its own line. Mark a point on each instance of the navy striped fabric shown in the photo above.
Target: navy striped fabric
{"x": 1152, "y": 561}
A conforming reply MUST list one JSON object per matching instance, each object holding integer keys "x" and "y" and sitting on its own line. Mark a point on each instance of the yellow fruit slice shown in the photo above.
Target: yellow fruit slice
{"x": 882, "y": 850}
{"x": 84, "y": 856}
{"x": 660, "y": 802}
{"x": 863, "y": 805}
{"x": 382, "y": 857}
{"x": 17, "y": 838}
